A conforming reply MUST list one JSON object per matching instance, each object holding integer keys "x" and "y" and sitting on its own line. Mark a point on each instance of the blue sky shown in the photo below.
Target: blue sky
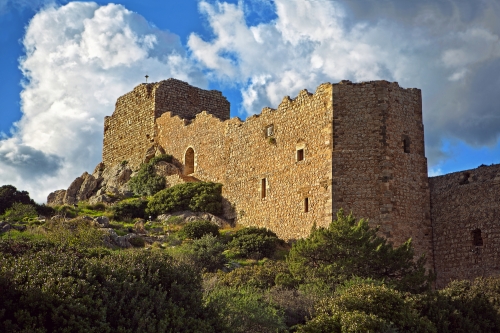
{"x": 64, "y": 63}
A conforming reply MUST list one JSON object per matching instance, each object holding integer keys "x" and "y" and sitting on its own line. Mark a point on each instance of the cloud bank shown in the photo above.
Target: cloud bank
{"x": 79, "y": 59}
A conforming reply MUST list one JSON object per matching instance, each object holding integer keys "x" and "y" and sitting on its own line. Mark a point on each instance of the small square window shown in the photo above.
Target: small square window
{"x": 300, "y": 155}
{"x": 269, "y": 130}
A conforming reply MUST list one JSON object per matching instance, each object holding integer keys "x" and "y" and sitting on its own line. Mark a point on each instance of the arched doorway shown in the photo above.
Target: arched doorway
{"x": 189, "y": 161}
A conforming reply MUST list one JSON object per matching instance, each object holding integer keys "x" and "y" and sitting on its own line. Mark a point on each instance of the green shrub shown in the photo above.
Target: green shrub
{"x": 256, "y": 276}
{"x": 95, "y": 291}
{"x": 129, "y": 209}
{"x": 137, "y": 242}
{"x": 367, "y": 306}
{"x": 19, "y": 211}
{"x": 245, "y": 310}
{"x": 196, "y": 196}
{"x": 147, "y": 182}
{"x": 198, "y": 229}
{"x": 463, "y": 306}
{"x": 164, "y": 157}
{"x": 206, "y": 253}
{"x": 349, "y": 248}
{"x": 254, "y": 242}
{"x": 66, "y": 210}
{"x": 9, "y": 195}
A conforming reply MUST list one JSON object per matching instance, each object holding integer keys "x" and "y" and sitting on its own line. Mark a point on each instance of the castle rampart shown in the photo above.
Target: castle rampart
{"x": 466, "y": 221}
{"x": 130, "y": 131}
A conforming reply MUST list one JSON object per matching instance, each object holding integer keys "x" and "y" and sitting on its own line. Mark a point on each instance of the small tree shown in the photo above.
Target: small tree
{"x": 351, "y": 248}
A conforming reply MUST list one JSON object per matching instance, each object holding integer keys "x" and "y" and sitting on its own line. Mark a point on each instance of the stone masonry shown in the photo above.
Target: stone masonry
{"x": 130, "y": 131}
{"x": 356, "y": 146}
{"x": 466, "y": 219}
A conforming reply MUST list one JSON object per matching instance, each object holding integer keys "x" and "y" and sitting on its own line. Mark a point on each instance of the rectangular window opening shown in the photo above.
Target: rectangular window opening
{"x": 270, "y": 130}
{"x": 300, "y": 155}
{"x": 306, "y": 205}
{"x": 263, "y": 185}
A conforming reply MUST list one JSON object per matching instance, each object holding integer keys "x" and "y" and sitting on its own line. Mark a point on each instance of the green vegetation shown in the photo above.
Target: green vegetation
{"x": 351, "y": 248}
{"x": 10, "y": 196}
{"x": 254, "y": 242}
{"x": 147, "y": 182}
{"x": 64, "y": 275}
{"x": 129, "y": 209}
{"x": 197, "y": 197}
{"x": 198, "y": 229}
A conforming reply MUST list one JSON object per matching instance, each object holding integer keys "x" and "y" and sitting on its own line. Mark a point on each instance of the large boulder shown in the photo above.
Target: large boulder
{"x": 189, "y": 216}
{"x": 72, "y": 191}
{"x": 154, "y": 150}
{"x": 56, "y": 198}
{"x": 166, "y": 169}
{"x": 87, "y": 188}
{"x": 102, "y": 221}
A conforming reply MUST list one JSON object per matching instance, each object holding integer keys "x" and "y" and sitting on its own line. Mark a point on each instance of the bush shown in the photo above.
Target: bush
{"x": 349, "y": 248}
{"x": 137, "y": 242}
{"x": 245, "y": 310}
{"x": 463, "y": 306}
{"x": 126, "y": 291}
{"x": 255, "y": 276}
{"x": 206, "y": 253}
{"x": 196, "y": 196}
{"x": 9, "y": 195}
{"x": 129, "y": 209}
{"x": 19, "y": 211}
{"x": 367, "y": 306}
{"x": 147, "y": 182}
{"x": 198, "y": 229}
{"x": 254, "y": 242}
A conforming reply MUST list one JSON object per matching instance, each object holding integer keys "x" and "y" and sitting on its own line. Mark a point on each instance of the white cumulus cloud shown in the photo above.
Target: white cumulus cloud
{"x": 79, "y": 59}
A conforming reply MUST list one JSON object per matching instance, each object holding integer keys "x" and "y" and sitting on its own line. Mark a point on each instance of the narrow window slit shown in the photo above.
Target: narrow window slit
{"x": 300, "y": 155}
{"x": 306, "y": 205}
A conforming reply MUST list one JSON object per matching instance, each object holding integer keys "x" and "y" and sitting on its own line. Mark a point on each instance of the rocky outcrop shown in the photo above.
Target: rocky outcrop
{"x": 72, "y": 191}
{"x": 56, "y": 198}
{"x": 153, "y": 151}
{"x": 87, "y": 188}
{"x": 189, "y": 216}
{"x": 108, "y": 184}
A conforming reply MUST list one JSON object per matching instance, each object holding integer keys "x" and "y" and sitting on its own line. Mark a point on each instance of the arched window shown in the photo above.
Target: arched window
{"x": 189, "y": 161}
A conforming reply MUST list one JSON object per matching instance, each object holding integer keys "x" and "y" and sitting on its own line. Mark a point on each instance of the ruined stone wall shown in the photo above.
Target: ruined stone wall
{"x": 373, "y": 175}
{"x": 465, "y": 213}
{"x": 130, "y": 131}
{"x": 241, "y": 154}
{"x": 187, "y": 101}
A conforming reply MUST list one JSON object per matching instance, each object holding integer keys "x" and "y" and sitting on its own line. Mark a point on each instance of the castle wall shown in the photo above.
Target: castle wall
{"x": 130, "y": 131}
{"x": 187, "y": 101}
{"x": 135, "y": 114}
{"x": 465, "y": 213}
{"x": 240, "y": 155}
{"x": 373, "y": 176}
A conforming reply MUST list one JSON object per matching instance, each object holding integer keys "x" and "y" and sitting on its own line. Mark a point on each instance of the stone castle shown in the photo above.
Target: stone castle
{"x": 356, "y": 146}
